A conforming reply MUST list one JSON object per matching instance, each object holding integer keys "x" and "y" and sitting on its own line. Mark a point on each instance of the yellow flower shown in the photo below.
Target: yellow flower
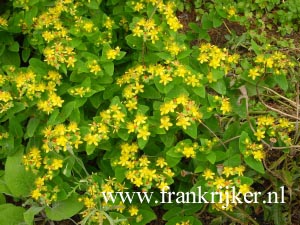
{"x": 167, "y": 107}
{"x": 239, "y": 170}
{"x": 165, "y": 122}
{"x": 228, "y": 171}
{"x": 183, "y": 122}
{"x": 113, "y": 53}
{"x": 231, "y": 11}
{"x": 131, "y": 127}
{"x": 253, "y": 73}
{"x": 131, "y": 104}
{"x": 3, "y": 22}
{"x": 161, "y": 162}
{"x": 225, "y": 106}
{"x": 208, "y": 174}
{"x": 260, "y": 134}
{"x": 56, "y": 164}
{"x": 163, "y": 186}
{"x": 140, "y": 119}
{"x": 92, "y": 139}
{"x": 143, "y": 161}
{"x": 189, "y": 152}
{"x": 244, "y": 188}
{"x": 219, "y": 182}
{"x": 88, "y": 26}
{"x": 165, "y": 79}
{"x": 62, "y": 141}
{"x": 258, "y": 155}
{"x": 143, "y": 133}
{"x": 133, "y": 210}
{"x": 36, "y": 194}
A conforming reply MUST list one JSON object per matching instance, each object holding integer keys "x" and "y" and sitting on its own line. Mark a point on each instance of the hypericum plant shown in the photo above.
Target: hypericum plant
{"x": 111, "y": 96}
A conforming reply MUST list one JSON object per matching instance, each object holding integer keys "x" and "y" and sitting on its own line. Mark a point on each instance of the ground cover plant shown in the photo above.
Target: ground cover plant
{"x": 145, "y": 97}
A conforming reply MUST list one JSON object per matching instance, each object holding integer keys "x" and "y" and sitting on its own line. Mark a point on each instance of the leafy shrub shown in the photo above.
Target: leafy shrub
{"x": 111, "y": 96}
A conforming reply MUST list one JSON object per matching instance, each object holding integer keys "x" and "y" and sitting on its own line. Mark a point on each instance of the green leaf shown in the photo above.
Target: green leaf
{"x": 176, "y": 91}
{"x": 255, "y": 47}
{"x": 233, "y": 160}
{"x": 15, "y": 128}
{"x": 242, "y": 145}
{"x": 10, "y": 58}
{"x": 200, "y": 91}
{"x": 173, "y": 157}
{"x": 219, "y": 86}
{"x": 53, "y": 117}
{"x": 168, "y": 139}
{"x": 134, "y": 42}
{"x": 147, "y": 214}
{"x": 120, "y": 173}
{"x": 123, "y": 134}
{"x": 30, "y": 213}
{"x": 11, "y": 215}
{"x": 18, "y": 180}
{"x": 277, "y": 214}
{"x": 66, "y": 111}
{"x": 38, "y": 66}
{"x": 206, "y": 22}
{"x": 211, "y": 157}
{"x": 282, "y": 81}
{"x": 171, "y": 213}
{"x": 150, "y": 93}
{"x": 191, "y": 130}
{"x": 14, "y": 47}
{"x": 255, "y": 164}
{"x": 142, "y": 143}
{"x": 68, "y": 166}
{"x": 90, "y": 149}
{"x": 31, "y": 127}
{"x": 65, "y": 209}
{"x": 2, "y": 198}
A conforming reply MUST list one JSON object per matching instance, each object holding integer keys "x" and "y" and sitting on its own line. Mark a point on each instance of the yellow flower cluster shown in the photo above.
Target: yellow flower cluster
{"x": 222, "y": 182}
{"x": 254, "y": 149}
{"x": 139, "y": 126}
{"x": 51, "y": 17}
{"x": 187, "y": 148}
{"x": 207, "y": 144}
{"x": 59, "y": 53}
{"x": 94, "y": 67}
{"x": 168, "y": 10}
{"x": 113, "y": 53}
{"x": 6, "y": 101}
{"x": 61, "y": 137}
{"x": 139, "y": 75}
{"x": 141, "y": 171}
{"x": 3, "y": 22}
{"x": 32, "y": 160}
{"x": 165, "y": 9}
{"x": 4, "y": 135}
{"x": 35, "y": 162}
{"x": 216, "y": 57}
{"x": 174, "y": 48}
{"x": 31, "y": 86}
{"x": 146, "y": 29}
{"x": 276, "y": 63}
{"x": 231, "y": 11}
{"x": 186, "y": 110}
{"x": 80, "y": 91}
{"x": 110, "y": 121}
{"x": 95, "y": 205}
{"x": 223, "y": 104}
{"x": 184, "y": 223}
{"x": 267, "y": 125}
